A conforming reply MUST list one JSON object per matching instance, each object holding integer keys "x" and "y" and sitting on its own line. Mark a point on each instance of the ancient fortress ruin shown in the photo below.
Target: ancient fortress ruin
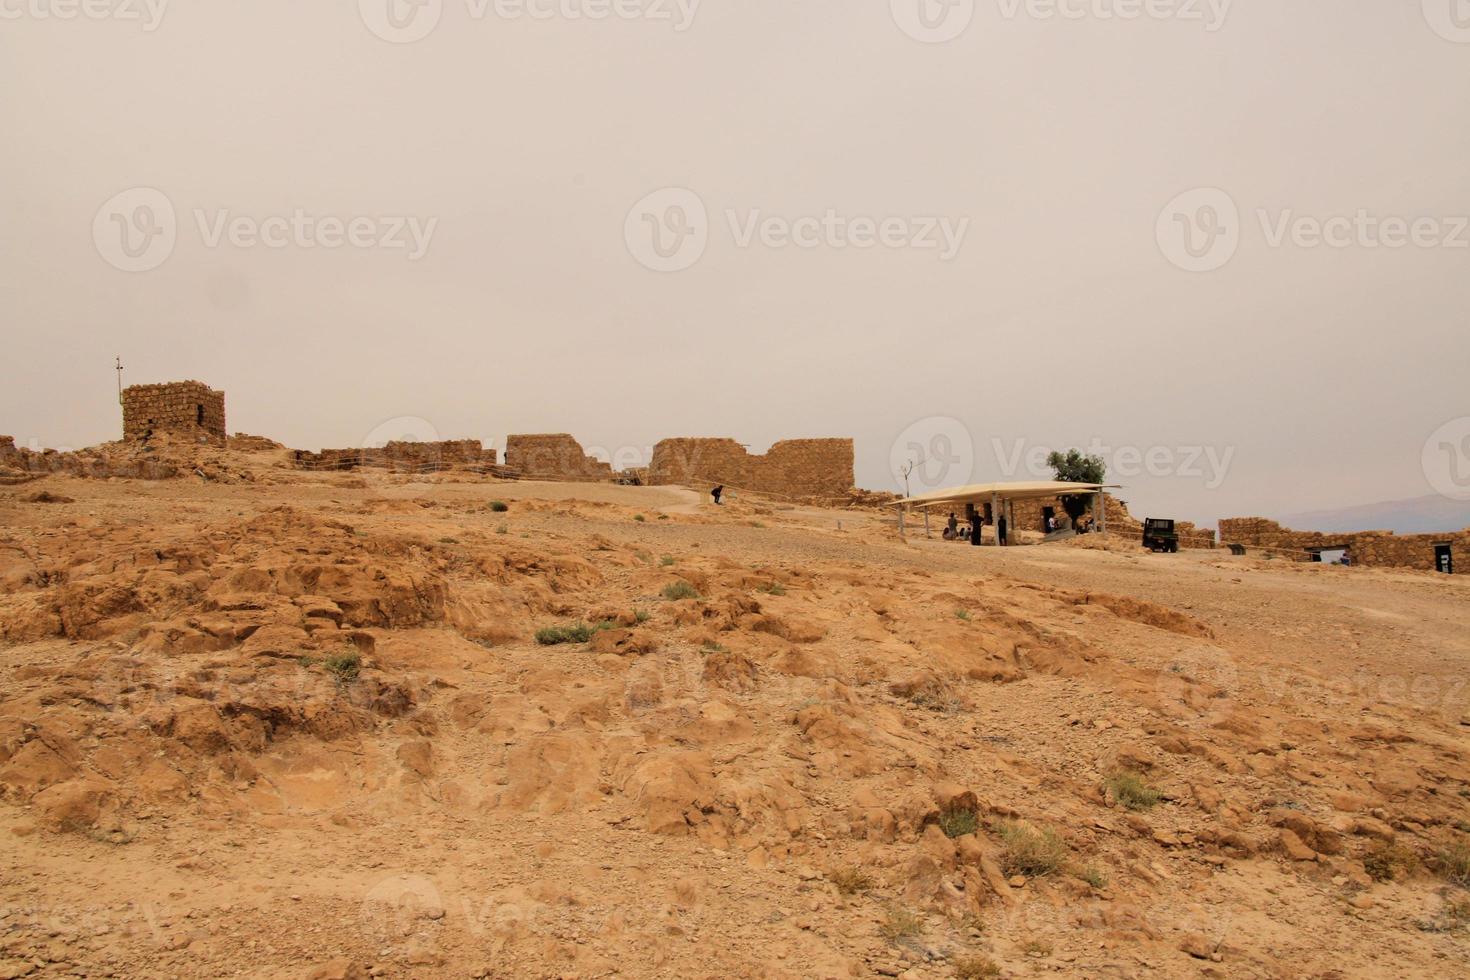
{"x": 814, "y": 469}
{"x": 554, "y": 457}
{"x": 805, "y": 470}
{"x": 401, "y": 457}
{"x": 1382, "y": 548}
{"x": 186, "y": 408}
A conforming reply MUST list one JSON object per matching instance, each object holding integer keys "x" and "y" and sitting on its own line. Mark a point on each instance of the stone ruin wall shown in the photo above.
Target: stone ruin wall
{"x": 406, "y": 457}
{"x": 804, "y": 469}
{"x": 20, "y": 465}
{"x": 1374, "y": 548}
{"x": 190, "y": 408}
{"x": 554, "y": 456}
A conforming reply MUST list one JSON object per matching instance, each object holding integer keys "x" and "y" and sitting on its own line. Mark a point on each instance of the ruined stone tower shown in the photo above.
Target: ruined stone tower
{"x": 186, "y": 408}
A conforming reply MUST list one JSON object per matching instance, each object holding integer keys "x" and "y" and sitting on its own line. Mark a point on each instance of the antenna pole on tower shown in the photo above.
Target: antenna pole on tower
{"x": 119, "y": 379}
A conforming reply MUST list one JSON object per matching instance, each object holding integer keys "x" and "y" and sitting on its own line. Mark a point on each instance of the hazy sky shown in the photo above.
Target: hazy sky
{"x": 488, "y": 261}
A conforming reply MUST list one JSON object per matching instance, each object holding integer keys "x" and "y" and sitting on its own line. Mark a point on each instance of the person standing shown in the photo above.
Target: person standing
{"x": 717, "y": 492}
{"x": 1000, "y": 530}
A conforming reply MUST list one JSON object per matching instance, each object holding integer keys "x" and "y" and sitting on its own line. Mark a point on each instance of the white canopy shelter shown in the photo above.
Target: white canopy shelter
{"x": 999, "y": 495}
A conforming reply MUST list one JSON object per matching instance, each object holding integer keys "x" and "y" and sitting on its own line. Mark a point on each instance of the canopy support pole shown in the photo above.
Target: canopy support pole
{"x": 926, "y": 523}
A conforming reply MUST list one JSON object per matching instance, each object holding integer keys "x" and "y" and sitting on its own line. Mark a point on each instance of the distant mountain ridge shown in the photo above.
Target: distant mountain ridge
{"x": 1419, "y": 515}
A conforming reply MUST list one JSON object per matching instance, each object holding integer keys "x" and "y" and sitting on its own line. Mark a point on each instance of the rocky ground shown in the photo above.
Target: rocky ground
{"x": 255, "y": 722}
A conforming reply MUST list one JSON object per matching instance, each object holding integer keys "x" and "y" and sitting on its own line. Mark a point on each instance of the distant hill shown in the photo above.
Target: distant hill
{"x": 1421, "y": 515}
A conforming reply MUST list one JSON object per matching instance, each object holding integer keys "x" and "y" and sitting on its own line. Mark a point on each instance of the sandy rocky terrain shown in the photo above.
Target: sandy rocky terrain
{"x": 263, "y": 723}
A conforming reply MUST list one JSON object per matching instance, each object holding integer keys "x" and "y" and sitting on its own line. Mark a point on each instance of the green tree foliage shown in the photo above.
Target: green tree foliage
{"x": 1074, "y": 466}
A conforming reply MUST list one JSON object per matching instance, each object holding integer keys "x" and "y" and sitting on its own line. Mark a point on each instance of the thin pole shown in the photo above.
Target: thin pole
{"x": 119, "y": 379}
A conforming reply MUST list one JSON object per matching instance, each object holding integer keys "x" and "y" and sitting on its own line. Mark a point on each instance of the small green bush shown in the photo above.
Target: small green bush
{"x": 1384, "y": 862}
{"x": 899, "y": 924}
{"x": 1130, "y": 789}
{"x": 1453, "y": 864}
{"x": 640, "y": 518}
{"x": 499, "y": 506}
{"x": 1029, "y": 851}
{"x": 551, "y": 636}
{"x": 959, "y": 822}
{"x": 772, "y": 588}
{"x": 343, "y": 666}
{"x": 681, "y": 589}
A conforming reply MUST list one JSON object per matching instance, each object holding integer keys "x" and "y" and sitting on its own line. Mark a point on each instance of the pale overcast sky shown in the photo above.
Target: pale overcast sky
{"x": 907, "y": 221}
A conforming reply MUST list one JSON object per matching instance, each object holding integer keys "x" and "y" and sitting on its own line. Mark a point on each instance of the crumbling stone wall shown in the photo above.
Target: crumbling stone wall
{"x": 403, "y": 457}
{"x": 18, "y": 465}
{"x": 1376, "y": 548}
{"x": 814, "y": 469}
{"x": 189, "y": 408}
{"x": 554, "y": 456}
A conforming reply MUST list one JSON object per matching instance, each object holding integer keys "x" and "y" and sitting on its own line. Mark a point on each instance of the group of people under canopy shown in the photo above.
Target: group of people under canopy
{"x": 991, "y": 504}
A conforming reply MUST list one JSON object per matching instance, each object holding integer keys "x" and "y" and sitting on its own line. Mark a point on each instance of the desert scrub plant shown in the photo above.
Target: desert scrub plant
{"x": 681, "y": 589}
{"x": 1037, "y": 948}
{"x": 640, "y": 518}
{"x": 499, "y": 506}
{"x": 900, "y": 924}
{"x": 641, "y": 616}
{"x": 1453, "y": 864}
{"x": 959, "y": 821}
{"x": 772, "y": 588}
{"x": 974, "y": 967}
{"x": 1383, "y": 863}
{"x": 343, "y": 666}
{"x": 551, "y": 636}
{"x": 1130, "y": 789}
{"x": 710, "y": 646}
{"x": 666, "y": 560}
{"x": 963, "y": 614}
{"x": 851, "y": 880}
{"x": 1029, "y": 851}
{"x": 1092, "y": 875}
